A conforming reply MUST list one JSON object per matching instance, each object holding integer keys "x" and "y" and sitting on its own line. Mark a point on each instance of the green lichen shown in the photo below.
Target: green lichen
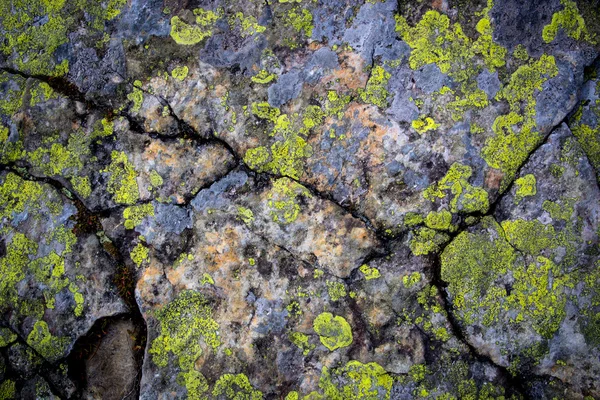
{"x": 375, "y": 92}
{"x": 301, "y": 340}
{"x": 334, "y": 331}
{"x": 424, "y": 124}
{"x": 426, "y": 240}
{"x": 571, "y": 22}
{"x": 246, "y": 215}
{"x": 466, "y": 198}
{"x": 7, "y": 337}
{"x": 435, "y": 40}
{"x": 186, "y": 323}
{"x": 248, "y": 24}
{"x": 560, "y": 211}
{"x": 155, "y": 179}
{"x": 336, "y": 290}
{"x": 139, "y": 254}
{"x": 412, "y": 219}
{"x": 134, "y": 215}
{"x": 180, "y": 73}
{"x": 516, "y": 134}
{"x": 336, "y": 104}
{"x": 474, "y": 261}
{"x": 136, "y": 96}
{"x": 264, "y": 110}
{"x": 356, "y": 380}
{"x": 301, "y": 20}
{"x": 369, "y": 272}
{"x": 122, "y": 183}
{"x": 526, "y": 186}
{"x": 284, "y": 201}
{"x": 263, "y": 77}
{"x": 81, "y": 185}
{"x": 7, "y": 390}
{"x": 441, "y": 220}
{"x": 411, "y": 280}
{"x": 236, "y": 387}
{"x": 186, "y": 34}
{"x": 48, "y": 346}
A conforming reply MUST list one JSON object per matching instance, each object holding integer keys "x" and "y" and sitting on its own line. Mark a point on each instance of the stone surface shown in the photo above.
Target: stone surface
{"x": 325, "y": 199}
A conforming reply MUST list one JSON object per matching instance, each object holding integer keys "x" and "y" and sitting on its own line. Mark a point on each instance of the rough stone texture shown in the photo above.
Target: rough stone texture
{"x": 330, "y": 199}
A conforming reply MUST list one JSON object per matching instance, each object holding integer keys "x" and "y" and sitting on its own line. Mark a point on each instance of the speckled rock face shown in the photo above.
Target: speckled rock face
{"x": 294, "y": 199}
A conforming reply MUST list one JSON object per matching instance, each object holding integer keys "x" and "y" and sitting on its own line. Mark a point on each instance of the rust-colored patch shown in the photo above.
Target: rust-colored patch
{"x": 493, "y": 178}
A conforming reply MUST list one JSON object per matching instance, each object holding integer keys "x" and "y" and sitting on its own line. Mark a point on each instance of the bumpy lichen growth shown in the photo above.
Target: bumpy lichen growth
{"x": 301, "y": 340}
{"x": 334, "y": 331}
{"x": 440, "y": 220}
{"x": 139, "y": 254}
{"x": 7, "y": 389}
{"x": 356, "y": 380}
{"x": 21, "y": 261}
{"x": 426, "y": 240}
{"x": 180, "y": 73}
{"x": 135, "y": 214}
{"x": 186, "y": 323}
{"x": 570, "y": 21}
{"x": 301, "y": 22}
{"x": 526, "y": 186}
{"x": 248, "y": 24}
{"x": 236, "y": 387}
{"x": 474, "y": 261}
{"x": 186, "y": 34}
{"x": 286, "y": 155}
{"x": 375, "y": 91}
{"x": 587, "y": 136}
{"x": 246, "y": 215}
{"x": 435, "y": 40}
{"x": 336, "y": 290}
{"x": 283, "y": 200}
{"x": 263, "y": 77}
{"x": 122, "y": 182}
{"x": 6, "y": 337}
{"x": 369, "y": 272}
{"x": 48, "y": 346}
{"x": 136, "y": 96}
{"x": 424, "y": 124}
{"x": 516, "y": 133}
{"x": 466, "y": 198}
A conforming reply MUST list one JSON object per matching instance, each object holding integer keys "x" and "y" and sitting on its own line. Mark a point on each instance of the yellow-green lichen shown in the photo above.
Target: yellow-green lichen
{"x": 135, "y": 214}
{"x": 136, "y": 96}
{"x": 180, "y": 73}
{"x": 186, "y": 323}
{"x": 301, "y": 20}
{"x": 122, "y": 183}
{"x": 301, "y": 340}
{"x": 334, "y": 331}
{"x": 284, "y": 200}
{"x": 155, "y": 179}
{"x": 139, "y": 254}
{"x": 7, "y": 390}
{"x": 474, "y": 261}
{"x": 375, "y": 92}
{"x": 263, "y": 77}
{"x": 245, "y": 214}
{"x": 411, "y": 280}
{"x": 424, "y": 124}
{"x": 589, "y": 140}
{"x": 426, "y": 240}
{"x": 526, "y": 186}
{"x": 336, "y": 290}
{"x": 248, "y": 24}
{"x": 48, "y": 346}
{"x": 516, "y": 133}
{"x": 369, "y": 272}
{"x": 236, "y": 387}
{"x": 186, "y": 34}
{"x": 441, "y": 220}
{"x": 6, "y": 337}
{"x": 355, "y": 380}
{"x": 466, "y": 198}
{"x": 570, "y": 21}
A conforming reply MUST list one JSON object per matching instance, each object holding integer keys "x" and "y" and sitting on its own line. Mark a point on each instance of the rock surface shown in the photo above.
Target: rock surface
{"x": 350, "y": 199}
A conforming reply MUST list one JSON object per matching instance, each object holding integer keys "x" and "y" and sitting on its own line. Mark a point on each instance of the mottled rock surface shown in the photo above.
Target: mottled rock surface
{"x": 293, "y": 199}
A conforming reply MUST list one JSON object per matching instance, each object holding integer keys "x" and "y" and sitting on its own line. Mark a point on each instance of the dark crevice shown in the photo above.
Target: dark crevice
{"x": 124, "y": 278}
